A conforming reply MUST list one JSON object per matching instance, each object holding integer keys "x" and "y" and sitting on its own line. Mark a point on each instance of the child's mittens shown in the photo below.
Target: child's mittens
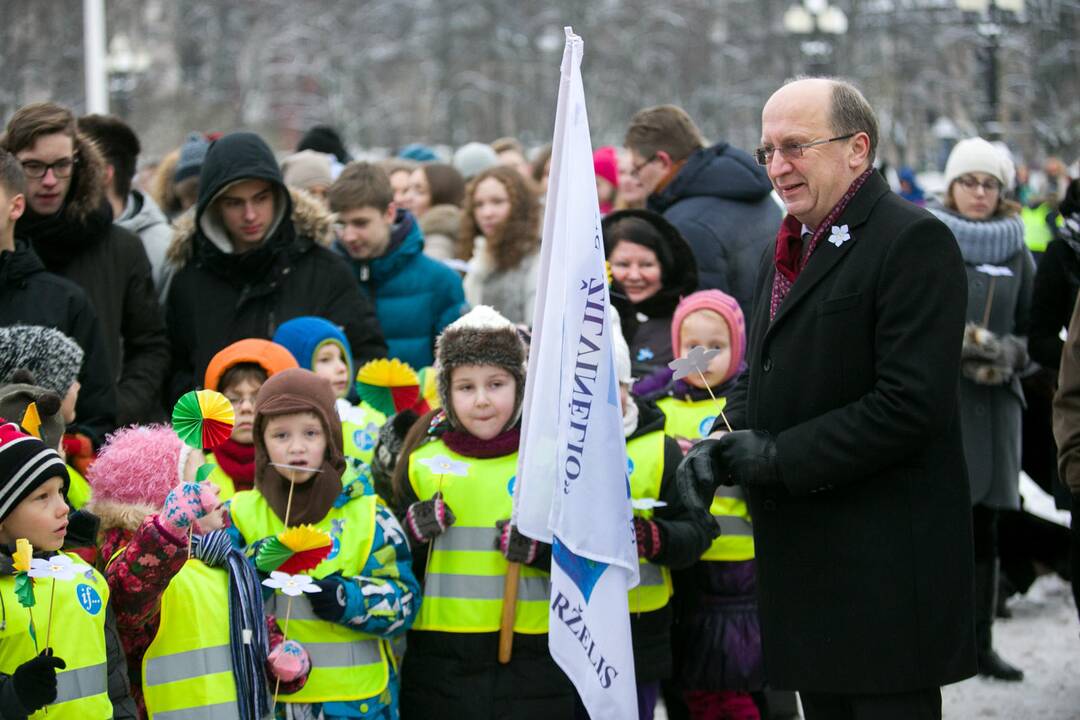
{"x": 185, "y": 504}
{"x": 427, "y": 519}
{"x": 35, "y": 680}
{"x": 514, "y": 546}
{"x": 289, "y": 661}
{"x": 648, "y": 538}
{"x": 329, "y": 602}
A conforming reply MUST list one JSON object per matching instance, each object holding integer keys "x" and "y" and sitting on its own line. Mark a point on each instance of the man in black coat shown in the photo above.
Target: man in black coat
{"x": 251, "y": 259}
{"x": 31, "y": 296}
{"x": 70, "y": 226}
{"x": 848, "y": 439}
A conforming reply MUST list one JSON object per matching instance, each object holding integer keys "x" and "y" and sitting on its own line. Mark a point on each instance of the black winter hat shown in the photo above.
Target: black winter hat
{"x": 25, "y": 464}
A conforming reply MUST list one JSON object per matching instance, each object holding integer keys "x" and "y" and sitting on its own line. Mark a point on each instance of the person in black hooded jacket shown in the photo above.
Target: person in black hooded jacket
{"x": 31, "y": 296}
{"x": 69, "y": 224}
{"x": 250, "y": 259}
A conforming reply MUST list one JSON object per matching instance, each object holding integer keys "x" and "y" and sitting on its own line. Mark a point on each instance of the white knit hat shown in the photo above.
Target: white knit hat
{"x": 977, "y": 155}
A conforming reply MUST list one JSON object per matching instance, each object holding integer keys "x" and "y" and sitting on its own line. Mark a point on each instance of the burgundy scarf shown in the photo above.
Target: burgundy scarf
{"x": 468, "y": 445}
{"x": 238, "y": 462}
{"x": 790, "y": 258}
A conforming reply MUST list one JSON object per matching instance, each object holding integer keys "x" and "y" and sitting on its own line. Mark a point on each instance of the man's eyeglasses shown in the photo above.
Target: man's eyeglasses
{"x": 636, "y": 169}
{"x": 35, "y": 169}
{"x": 792, "y": 151}
{"x": 972, "y": 184}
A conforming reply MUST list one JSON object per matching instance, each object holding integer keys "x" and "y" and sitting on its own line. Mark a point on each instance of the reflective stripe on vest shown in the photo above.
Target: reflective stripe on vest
{"x": 222, "y": 711}
{"x": 689, "y": 419}
{"x": 78, "y": 636}
{"x": 188, "y": 666}
{"x": 346, "y": 664}
{"x": 645, "y": 464}
{"x": 736, "y": 541}
{"x": 465, "y": 576}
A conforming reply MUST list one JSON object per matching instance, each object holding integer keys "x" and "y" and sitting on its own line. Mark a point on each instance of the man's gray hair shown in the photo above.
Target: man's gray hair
{"x": 850, "y": 113}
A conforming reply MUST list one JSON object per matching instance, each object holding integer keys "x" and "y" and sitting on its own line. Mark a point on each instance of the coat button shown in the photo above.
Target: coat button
{"x": 766, "y": 364}
{"x": 769, "y": 504}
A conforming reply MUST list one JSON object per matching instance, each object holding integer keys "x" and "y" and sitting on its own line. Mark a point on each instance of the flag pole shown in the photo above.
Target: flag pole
{"x": 509, "y": 612}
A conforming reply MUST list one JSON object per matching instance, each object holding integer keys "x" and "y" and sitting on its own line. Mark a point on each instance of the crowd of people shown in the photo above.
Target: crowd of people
{"x": 825, "y": 506}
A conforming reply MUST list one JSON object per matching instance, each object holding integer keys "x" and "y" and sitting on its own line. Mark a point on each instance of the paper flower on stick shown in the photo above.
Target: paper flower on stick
{"x": 442, "y": 465}
{"x": 295, "y": 550}
{"x": 58, "y": 567}
{"x": 203, "y": 418}
{"x": 24, "y": 584}
{"x": 696, "y": 361}
{"x": 389, "y": 386}
{"x": 647, "y": 503}
{"x": 994, "y": 270}
{"x": 291, "y": 585}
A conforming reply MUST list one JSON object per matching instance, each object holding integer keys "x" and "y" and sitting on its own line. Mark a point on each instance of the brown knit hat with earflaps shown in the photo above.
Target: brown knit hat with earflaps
{"x": 480, "y": 337}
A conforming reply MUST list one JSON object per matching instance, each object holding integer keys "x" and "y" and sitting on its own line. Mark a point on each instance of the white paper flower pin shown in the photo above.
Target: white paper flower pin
{"x": 58, "y": 567}
{"x": 696, "y": 361}
{"x": 994, "y": 270}
{"x": 839, "y": 235}
{"x": 291, "y": 585}
{"x": 647, "y": 503}
{"x": 442, "y": 465}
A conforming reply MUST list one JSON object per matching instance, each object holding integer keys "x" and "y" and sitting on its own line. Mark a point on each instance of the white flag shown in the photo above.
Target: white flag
{"x": 572, "y": 488}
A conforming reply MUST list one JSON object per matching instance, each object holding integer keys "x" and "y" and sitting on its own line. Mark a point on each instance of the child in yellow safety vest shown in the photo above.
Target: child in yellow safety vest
{"x": 188, "y": 605}
{"x": 367, "y": 593}
{"x": 320, "y": 346}
{"x": 717, "y": 638}
{"x": 669, "y": 536}
{"x": 81, "y": 674}
{"x": 237, "y": 372}
{"x": 453, "y": 488}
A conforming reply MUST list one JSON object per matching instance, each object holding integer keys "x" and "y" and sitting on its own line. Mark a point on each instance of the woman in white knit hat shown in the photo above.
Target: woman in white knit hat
{"x": 1000, "y": 273}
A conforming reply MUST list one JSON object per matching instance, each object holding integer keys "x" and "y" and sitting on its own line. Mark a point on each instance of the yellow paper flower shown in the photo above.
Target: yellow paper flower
{"x": 24, "y": 551}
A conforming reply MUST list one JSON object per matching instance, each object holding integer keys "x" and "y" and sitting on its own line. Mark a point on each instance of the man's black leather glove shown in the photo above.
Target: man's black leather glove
{"x": 748, "y": 457}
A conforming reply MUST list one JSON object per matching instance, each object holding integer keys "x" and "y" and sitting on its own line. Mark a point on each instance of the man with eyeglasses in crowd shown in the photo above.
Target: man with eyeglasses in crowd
{"x": 253, "y": 257}
{"x": 847, "y": 436}
{"x": 69, "y": 224}
{"x": 717, "y": 197}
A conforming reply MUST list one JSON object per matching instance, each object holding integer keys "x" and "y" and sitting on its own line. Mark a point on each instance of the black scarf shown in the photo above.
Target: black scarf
{"x": 58, "y": 239}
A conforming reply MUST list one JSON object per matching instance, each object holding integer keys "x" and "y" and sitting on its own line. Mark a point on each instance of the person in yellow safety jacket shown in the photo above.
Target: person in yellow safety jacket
{"x": 237, "y": 372}
{"x": 669, "y": 537}
{"x": 149, "y": 509}
{"x": 367, "y": 594}
{"x": 453, "y": 490}
{"x": 62, "y": 651}
{"x": 320, "y": 346}
{"x": 717, "y": 642}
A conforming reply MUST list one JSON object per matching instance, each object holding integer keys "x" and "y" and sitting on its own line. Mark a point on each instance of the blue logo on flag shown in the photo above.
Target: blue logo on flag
{"x": 584, "y": 572}
{"x": 88, "y": 597}
{"x": 706, "y": 426}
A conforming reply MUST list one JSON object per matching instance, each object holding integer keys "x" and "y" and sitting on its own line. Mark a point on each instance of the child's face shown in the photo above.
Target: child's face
{"x": 67, "y": 405}
{"x": 297, "y": 439}
{"x": 41, "y": 518}
{"x": 242, "y": 396}
{"x": 706, "y": 328}
{"x": 483, "y": 398}
{"x": 330, "y": 364}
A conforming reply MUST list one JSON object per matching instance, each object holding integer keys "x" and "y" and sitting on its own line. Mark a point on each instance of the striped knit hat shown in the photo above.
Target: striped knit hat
{"x": 25, "y": 464}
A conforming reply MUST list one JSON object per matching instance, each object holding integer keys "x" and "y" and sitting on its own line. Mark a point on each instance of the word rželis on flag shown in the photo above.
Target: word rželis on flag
{"x": 572, "y": 488}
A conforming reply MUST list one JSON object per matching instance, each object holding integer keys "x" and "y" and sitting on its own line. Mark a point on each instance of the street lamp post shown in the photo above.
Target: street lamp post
{"x": 990, "y": 27}
{"x": 815, "y": 21}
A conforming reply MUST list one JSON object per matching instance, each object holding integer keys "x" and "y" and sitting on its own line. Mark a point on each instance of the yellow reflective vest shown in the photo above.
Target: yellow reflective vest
{"x": 187, "y": 671}
{"x": 78, "y": 489}
{"x": 221, "y": 479}
{"x": 78, "y": 637}
{"x": 645, "y": 465}
{"x": 346, "y": 664}
{"x": 360, "y": 429}
{"x": 693, "y": 420}
{"x": 465, "y": 576}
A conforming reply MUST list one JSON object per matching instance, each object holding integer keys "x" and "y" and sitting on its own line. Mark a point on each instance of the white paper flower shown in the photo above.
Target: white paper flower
{"x": 839, "y": 235}
{"x": 647, "y": 503}
{"x": 442, "y": 465}
{"x": 291, "y": 585}
{"x": 58, "y": 567}
{"x": 696, "y": 361}
{"x": 994, "y": 270}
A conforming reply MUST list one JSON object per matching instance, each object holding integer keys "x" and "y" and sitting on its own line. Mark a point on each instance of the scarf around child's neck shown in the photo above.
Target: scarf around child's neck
{"x": 469, "y": 445}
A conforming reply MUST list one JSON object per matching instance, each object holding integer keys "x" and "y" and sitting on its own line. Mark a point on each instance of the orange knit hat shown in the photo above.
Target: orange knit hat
{"x": 271, "y": 357}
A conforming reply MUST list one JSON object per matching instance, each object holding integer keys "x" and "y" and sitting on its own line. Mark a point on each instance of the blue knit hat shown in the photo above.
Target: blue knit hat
{"x": 418, "y": 152}
{"x": 305, "y": 336}
{"x": 192, "y": 154}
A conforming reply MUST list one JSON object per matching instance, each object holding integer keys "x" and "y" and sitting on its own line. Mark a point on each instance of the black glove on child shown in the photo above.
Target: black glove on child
{"x": 743, "y": 457}
{"x": 427, "y": 519}
{"x": 35, "y": 680}
{"x": 329, "y": 602}
{"x": 514, "y": 546}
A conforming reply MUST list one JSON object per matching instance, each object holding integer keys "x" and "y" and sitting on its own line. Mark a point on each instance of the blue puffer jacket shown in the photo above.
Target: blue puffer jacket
{"x": 719, "y": 201}
{"x": 415, "y": 296}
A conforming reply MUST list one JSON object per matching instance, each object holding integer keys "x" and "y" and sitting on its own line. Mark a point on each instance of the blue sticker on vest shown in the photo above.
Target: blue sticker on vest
{"x": 363, "y": 439}
{"x": 629, "y": 465}
{"x": 89, "y": 598}
{"x": 644, "y": 354}
{"x": 510, "y": 485}
{"x": 337, "y": 527}
{"x": 706, "y": 426}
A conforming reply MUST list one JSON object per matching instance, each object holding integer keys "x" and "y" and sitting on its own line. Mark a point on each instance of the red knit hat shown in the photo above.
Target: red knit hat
{"x": 606, "y": 164}
{"x": 726, "y": 307}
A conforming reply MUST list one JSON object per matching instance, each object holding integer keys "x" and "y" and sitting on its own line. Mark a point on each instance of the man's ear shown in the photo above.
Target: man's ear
{"x": 860, "y": 150}
{"x": 391, "y": 212}
{"x": 110, "y": 173}
{"x": 18, "y": 207}
{"x": 664, "y": 159}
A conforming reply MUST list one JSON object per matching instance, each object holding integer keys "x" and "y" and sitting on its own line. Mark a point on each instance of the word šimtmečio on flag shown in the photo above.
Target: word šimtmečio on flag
{"x": 572, "y": 488}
